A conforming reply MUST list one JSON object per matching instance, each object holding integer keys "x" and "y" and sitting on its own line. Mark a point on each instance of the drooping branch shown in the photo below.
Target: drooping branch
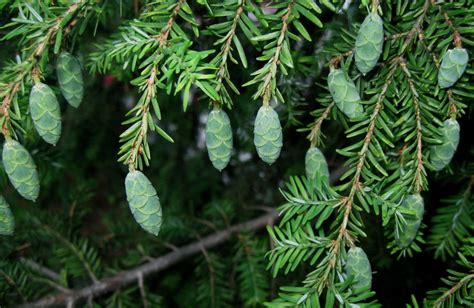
{"x": 156, "y": 265}
{"x": 418, "y": 177}
{"x": 274, "y": 61}
{"x": 68, "y": 18}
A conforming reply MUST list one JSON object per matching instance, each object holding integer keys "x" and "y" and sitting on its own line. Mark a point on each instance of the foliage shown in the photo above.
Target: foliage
{"x": 384, "y": 88}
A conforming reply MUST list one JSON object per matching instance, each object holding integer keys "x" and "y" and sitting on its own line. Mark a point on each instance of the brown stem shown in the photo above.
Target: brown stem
{"x": 274, "y": 61}
{"x": 334, "y": 61}
{"x": 447, "y": 295}
{"x": 226, "y": 49}
{"x": 316, "y": 128}
{"x": 137, "y": 147}
{"x": 419, "y": 132}
{"x": 162, "y": 38}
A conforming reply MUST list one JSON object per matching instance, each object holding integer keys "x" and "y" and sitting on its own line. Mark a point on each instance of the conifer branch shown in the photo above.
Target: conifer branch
{"x": 156, "y": 265}
{"x": 347, "y": 202}
{"x": 457, "y": 39}
{"x": 316, "y": 128}
{"x": 451, "y": 291}
{"x": 77, "y": 252}
{"x": 139, "y": 143}
{"x": 40, "y": 269}
{"x": 226, "y": 48}
{"x": 27, "y": 66}
{"x": 418, "y": 177}
{"x": 452, "y": 109}
{"x": 274, "y": 61}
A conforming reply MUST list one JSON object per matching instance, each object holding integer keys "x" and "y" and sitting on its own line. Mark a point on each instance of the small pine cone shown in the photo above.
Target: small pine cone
{"x": 358, "y": 265}
{"x": 316, "y": 166}
{"x": 413, "y": 203}
{"x": 442, "y": 154}
{"x": 45, "y": 112}
{"x": 21, "y": 169}
{"x": 369, "y": 43}
{"x": 7, "y": 222}
{"x": 268, "y": 137}
{"x": 70, "y": 79}
{"x": 345, "y": 94}
{"x": 219, "y": 138}
{"x": 452, "y": 67}
{"x": 143, "y": 201}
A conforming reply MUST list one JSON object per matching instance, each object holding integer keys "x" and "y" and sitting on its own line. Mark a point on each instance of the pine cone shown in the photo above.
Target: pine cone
{"x": 219, "y": 138}
{"x": 415, "y": 204}
{"x": 316, "y": 166}
{"x": 268, "y": 137}
{"x": 369, "y": 43}
{"x": 442, "y": 154}
{"x": 358, "y": 265}
{"x": 45, "y": 112}
{"x": 452, "y": 67}
{"x": 143, "y": 201}
{"x": 345, "y": 94}
{"x": 7, "y": 222}
{"x": 21, "y": 169}
{"x": 70, "y": 79}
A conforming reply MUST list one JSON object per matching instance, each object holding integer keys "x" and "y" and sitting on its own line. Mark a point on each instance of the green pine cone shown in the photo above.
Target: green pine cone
{"x": 358, "y": 265}
{"x": 143, "y": 201}
{"x": 7, "y": 222}
{"x": 414, "y": 203}
{"x": 268, "y": 137}
{"x": 452, "y": 67}
{"x": 45, "y": 112}
{"x": 345, "y": 94}
{"x": 316, "y": 166}
{"x": 369, "y": 43}
{"x": 442, "y": 154}
{"x": 21, "y": 169}
{"x": 70, "y": 79}
{"x": 219, "y": 138}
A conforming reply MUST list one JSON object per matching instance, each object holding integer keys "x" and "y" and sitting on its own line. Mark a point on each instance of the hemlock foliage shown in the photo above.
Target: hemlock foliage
{"x": 191, "y": 97}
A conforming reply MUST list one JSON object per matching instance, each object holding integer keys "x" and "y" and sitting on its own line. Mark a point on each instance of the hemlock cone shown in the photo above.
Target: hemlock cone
{"x": 369, "y": 43}
{"x": 452, "y": 67}
{"x": 219, "y": 138}
{"x": 345, "y": 94}
{"x": 21, "y": 169}
{"x": 45, "y": 112}
{"x": 442, "y": 154}
{"x": 268, "y": 137}
{"x": 316, "y": 166}
{"x": 7, "y": 222}
{"x": 358, "y": 265}
{"x": 143, "y": 201}
{"x": 70, "y": 79}
{"x": 413, "y": 203}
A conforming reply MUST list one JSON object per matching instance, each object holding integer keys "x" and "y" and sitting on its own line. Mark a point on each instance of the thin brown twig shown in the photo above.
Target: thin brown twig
{"x": 418, "y": 178}
{"x": 226, "y": 48}
{"x": 447, "y": 295}
{"x": 162, "y": 38}
{"x": 274, "y": 61}
{"x": 316, "y": 128}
